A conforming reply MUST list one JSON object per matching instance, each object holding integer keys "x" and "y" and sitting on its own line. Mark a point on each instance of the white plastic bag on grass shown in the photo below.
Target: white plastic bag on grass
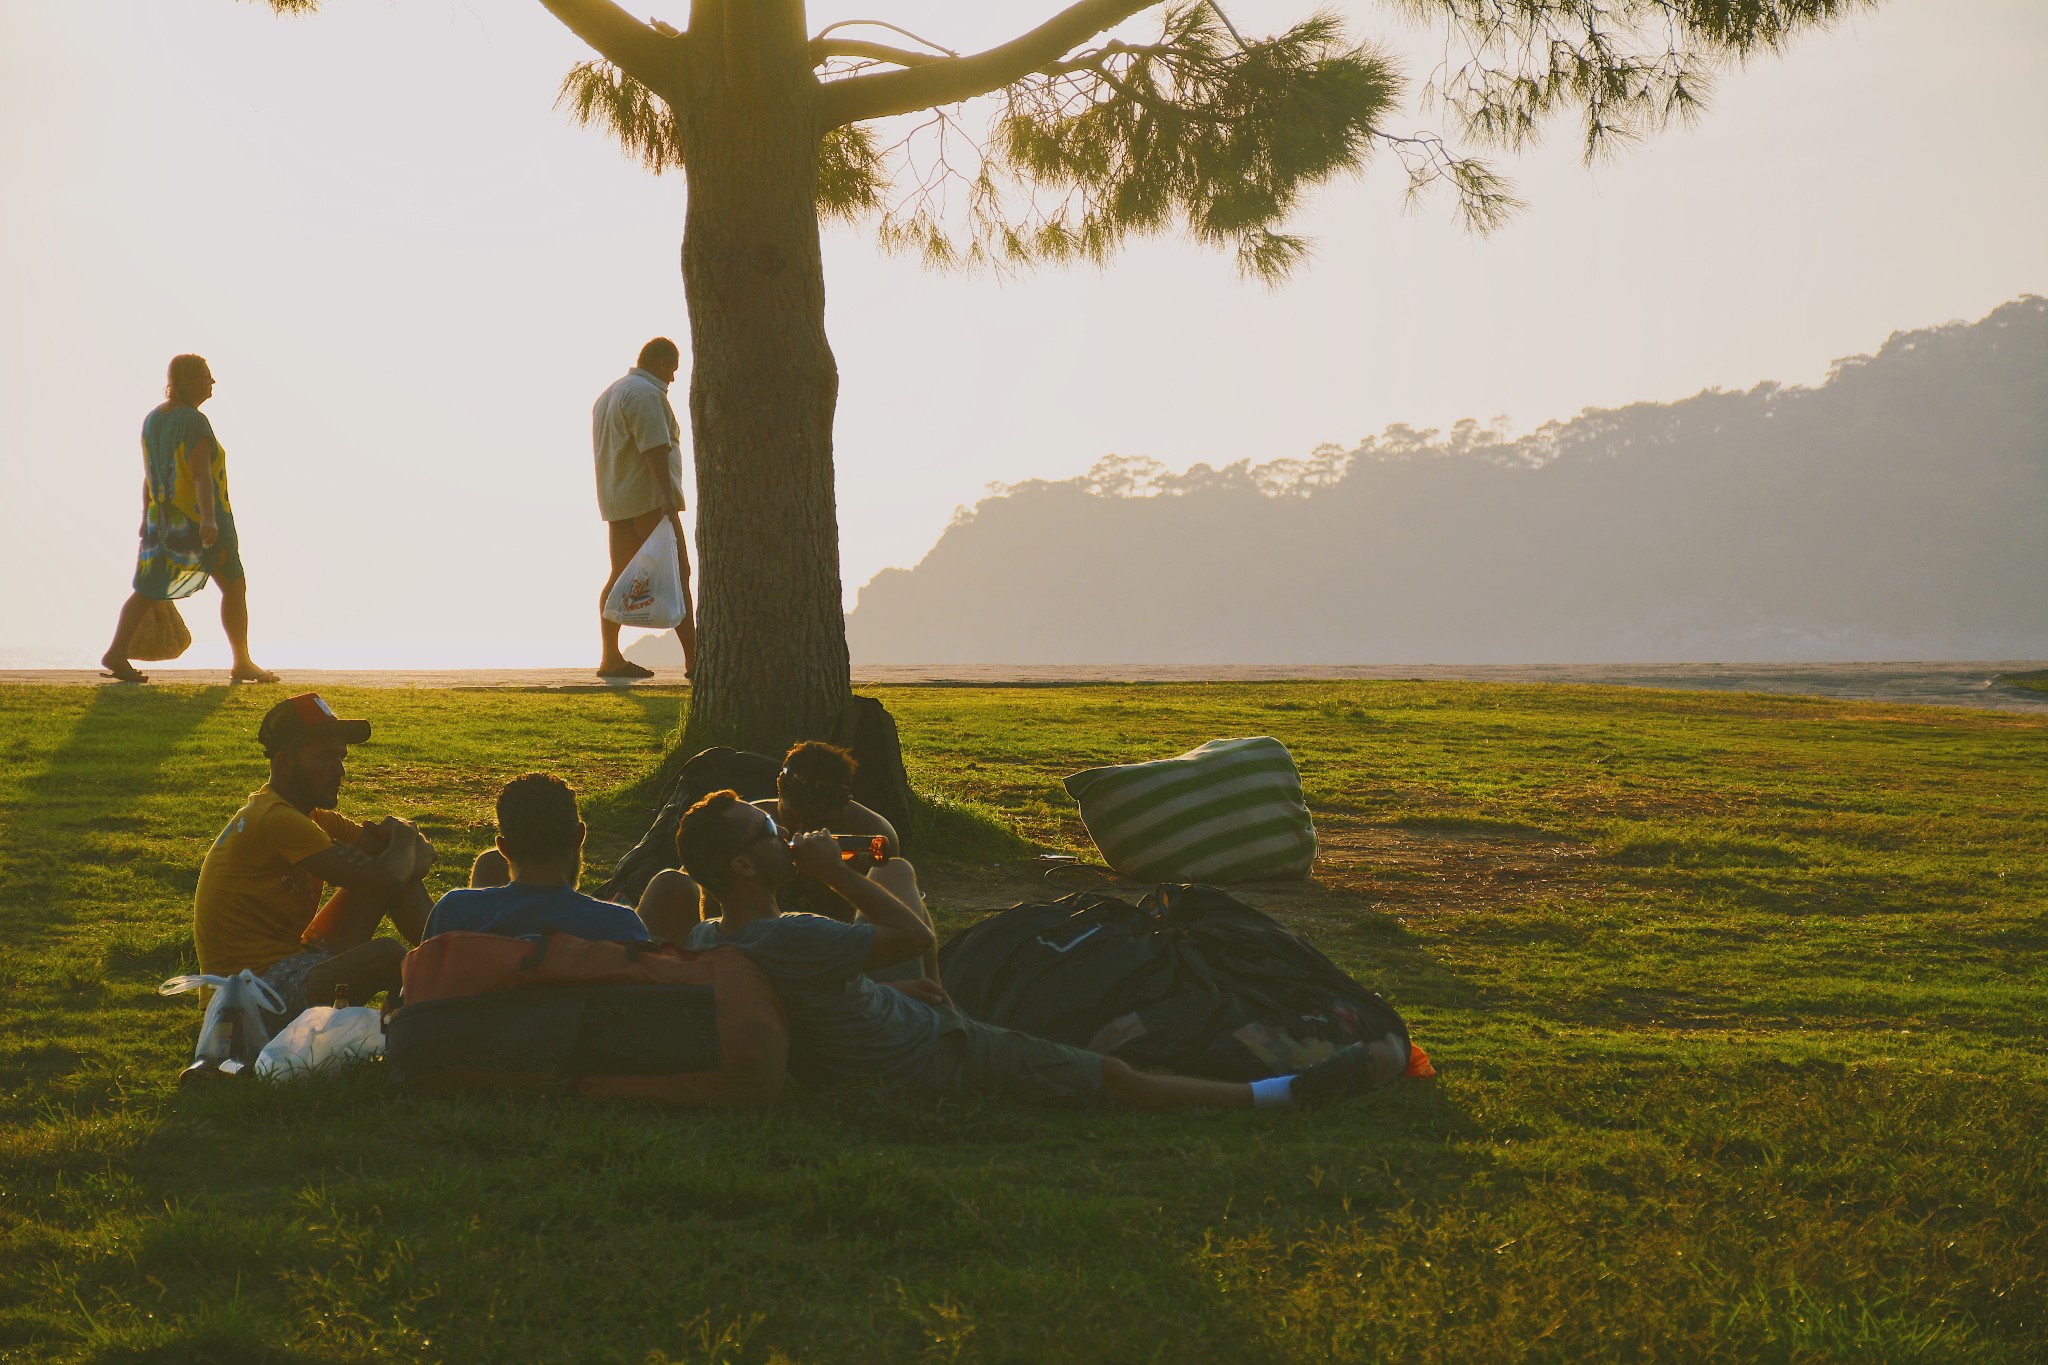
{"x": 649, "y": 592}
{"x": 235, "y": 1030}
{"x": 321, "y": 1037}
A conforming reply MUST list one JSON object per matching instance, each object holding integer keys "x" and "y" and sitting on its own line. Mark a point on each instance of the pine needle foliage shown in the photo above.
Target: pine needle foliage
{"x": 600, "y": 96}
{"x": 1204, "y": 132}
{"x": 1628, "y": 67}
{"x": 1193, "y": 132}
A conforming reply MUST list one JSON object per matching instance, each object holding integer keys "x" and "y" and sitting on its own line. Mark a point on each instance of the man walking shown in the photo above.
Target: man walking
{"x": 638, "y": 445}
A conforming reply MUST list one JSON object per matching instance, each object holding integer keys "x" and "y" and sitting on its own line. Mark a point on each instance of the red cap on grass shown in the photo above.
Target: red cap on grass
{"x": 296, "y": 720}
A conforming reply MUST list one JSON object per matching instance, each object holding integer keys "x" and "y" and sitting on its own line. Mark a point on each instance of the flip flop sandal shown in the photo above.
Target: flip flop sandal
{"x": 128, "y": 674}
{"x": 261, "y": 675}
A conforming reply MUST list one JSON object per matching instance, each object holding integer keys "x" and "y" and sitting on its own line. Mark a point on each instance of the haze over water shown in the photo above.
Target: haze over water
{"x": 412, "y": 276}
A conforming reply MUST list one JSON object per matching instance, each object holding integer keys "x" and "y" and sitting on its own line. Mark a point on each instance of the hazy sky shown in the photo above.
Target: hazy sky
{"x": 412, "y": 276}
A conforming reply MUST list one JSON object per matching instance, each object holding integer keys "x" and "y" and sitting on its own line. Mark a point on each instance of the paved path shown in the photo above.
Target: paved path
{"x": 1936, "y": 684}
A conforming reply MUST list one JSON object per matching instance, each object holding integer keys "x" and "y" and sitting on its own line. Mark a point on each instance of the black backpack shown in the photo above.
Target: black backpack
{"x": 1190, "y": 979}
{"x": 868, "y": 732}
{"x": 751, "y": 775}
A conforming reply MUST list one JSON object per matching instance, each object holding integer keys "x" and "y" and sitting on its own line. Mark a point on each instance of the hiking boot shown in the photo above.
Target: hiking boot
{"x": 1351, "y": 1070}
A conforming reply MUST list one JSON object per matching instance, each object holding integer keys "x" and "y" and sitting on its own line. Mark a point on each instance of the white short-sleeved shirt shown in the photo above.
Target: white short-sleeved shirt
{"x": 631, "y": 416}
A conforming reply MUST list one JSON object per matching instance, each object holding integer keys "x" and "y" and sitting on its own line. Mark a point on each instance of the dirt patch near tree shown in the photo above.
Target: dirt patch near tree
{"x": 1401, "y": 871}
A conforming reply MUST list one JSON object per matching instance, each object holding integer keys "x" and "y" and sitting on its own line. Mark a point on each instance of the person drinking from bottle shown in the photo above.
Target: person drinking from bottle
{"x": 814, "y": 791}
{"x": 258, "y": 904}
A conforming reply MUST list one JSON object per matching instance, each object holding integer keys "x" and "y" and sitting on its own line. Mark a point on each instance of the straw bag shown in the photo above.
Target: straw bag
{"x": 160, "y": 634}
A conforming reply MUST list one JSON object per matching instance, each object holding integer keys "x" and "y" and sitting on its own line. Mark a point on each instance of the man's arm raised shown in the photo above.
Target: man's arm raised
{"x": 900, "y": 932}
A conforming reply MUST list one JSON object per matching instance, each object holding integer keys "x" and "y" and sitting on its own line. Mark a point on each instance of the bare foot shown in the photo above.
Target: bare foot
{"x": 120, "y": 670}
{"x": 252, "y": 674}
{"x": 623, "y": 668}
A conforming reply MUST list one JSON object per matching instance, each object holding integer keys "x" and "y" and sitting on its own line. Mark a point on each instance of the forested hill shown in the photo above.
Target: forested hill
{"x": 1899, "y": 510}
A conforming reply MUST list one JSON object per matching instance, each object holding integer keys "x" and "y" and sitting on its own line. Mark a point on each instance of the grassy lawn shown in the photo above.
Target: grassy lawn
{"x": 1736, "y": 1003}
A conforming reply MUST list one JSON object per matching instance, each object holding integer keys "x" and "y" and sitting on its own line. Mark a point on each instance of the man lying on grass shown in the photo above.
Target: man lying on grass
{"x": 845, "y": 1028}
{"x": 258, "y": 904}
{"x": 527, "y": 883}
{"x": 814, "y": 790}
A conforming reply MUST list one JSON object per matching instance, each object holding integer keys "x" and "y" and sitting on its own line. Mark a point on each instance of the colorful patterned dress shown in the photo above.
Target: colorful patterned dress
{"x": 172, "y": 563}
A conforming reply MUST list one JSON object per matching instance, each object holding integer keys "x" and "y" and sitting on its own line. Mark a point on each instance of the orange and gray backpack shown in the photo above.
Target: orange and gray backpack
{"x": 616, "y": 1020}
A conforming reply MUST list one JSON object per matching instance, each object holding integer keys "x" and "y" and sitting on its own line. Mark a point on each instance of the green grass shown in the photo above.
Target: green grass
{"x": 1736, "y": 1002}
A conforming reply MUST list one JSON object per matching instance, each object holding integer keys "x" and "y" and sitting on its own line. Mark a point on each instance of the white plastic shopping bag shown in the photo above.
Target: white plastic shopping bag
{"x": 650, "y": 591}
{"x": 235, "y": 1030}
{"x": 321, "y": 1038}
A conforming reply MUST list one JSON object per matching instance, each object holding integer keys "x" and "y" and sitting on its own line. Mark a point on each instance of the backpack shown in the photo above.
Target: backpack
{"x": 864, "y": 728}
{"x": 714, "y": 770}
{"x": 868, "y": 732}
{"x": 1189, "y": 979}
{"x": 616, "y": 1020}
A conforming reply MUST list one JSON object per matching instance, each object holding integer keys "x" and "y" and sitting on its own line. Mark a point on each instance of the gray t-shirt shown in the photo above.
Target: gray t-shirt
{"x": 842, "y": 1026}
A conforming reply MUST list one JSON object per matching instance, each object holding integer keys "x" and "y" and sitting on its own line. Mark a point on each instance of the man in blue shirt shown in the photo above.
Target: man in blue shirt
{"x": 528, "y": 886}
{"x": 906, "y": 1036}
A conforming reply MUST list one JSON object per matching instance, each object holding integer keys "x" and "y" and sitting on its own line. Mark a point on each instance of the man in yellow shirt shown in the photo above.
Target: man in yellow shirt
{"x": 258, "y": 903}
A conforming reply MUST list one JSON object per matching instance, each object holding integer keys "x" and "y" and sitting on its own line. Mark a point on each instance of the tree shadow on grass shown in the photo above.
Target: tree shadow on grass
{"x": 664, "y": 710}
{"x": 59, "y": 829}
{"x": 218, "y": 1334}
{"x": 623, "y": 812}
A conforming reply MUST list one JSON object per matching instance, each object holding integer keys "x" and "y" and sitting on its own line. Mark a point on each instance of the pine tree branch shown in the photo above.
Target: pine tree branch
{"x": 641, "y": 51}
{"x": 879, "y": 94}
{"x": 898, "y": 29}
{"x": 824, "y": 49}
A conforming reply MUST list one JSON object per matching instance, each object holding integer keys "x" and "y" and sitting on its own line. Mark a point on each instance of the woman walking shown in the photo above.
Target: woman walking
{"x": 188, "y": 525}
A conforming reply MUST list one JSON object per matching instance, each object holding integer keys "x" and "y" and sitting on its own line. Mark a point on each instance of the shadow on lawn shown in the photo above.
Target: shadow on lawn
{"x": 58, "y": 832}
{"x": 622, "y": 814}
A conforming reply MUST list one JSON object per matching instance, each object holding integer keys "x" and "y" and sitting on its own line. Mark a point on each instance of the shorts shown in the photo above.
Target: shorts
{"x": 1003, "y": 1064}
{"x": 287, "y": 976}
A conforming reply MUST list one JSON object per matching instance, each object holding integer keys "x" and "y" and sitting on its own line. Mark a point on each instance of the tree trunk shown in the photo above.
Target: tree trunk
{"x": 772, "y": 662}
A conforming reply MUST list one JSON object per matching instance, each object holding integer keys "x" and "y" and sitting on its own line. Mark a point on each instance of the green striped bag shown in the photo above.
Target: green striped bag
{"x": 1230, "y": 811}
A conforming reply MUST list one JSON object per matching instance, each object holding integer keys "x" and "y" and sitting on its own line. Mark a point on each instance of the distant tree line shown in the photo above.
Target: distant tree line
{"x": 1898, "y": 510}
